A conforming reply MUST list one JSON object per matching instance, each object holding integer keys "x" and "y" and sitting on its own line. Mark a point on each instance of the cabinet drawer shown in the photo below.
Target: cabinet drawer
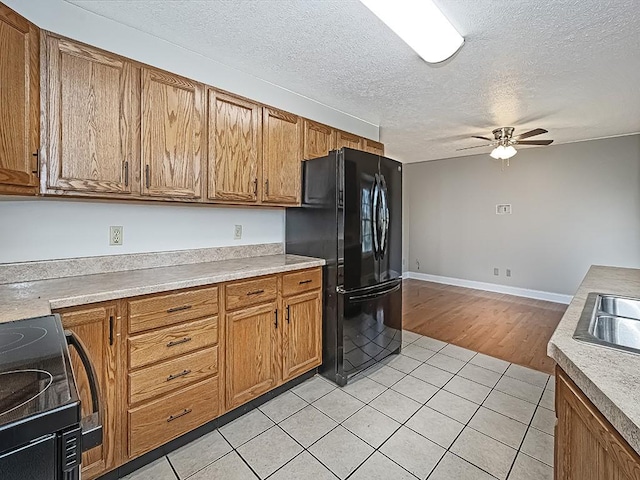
{"x": 170, "y": 342}
{"x": 250, "y": 292}
{"x": 298, "y": 282}
{"x": 163, "y": 310}
{"x": 169, "y": 417}
{"x": 172, "y": 374}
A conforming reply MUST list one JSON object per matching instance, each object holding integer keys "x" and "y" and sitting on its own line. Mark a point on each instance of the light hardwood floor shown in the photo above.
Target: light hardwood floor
{"x": 515, "y": 329}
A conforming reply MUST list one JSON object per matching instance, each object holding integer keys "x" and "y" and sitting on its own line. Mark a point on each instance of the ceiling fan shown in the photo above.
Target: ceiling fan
{"x": 504, "y": 142}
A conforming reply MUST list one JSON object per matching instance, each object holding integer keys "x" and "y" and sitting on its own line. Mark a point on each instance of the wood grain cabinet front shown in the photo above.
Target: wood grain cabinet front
{"x": 98, "y": 327}
{"x": 319, "y": 140}
{"x": 301, "y": 334}
{"x": 349, "y": 140}
{"x": 90, "y": 125}
{"x": 281, "y": 157}
{"x": 235, "y": 148}
{"x": 587, "y": 446}
{"x": 173, "y": 135}
{"x": 19, "y": 104}
{"x": 372, "y": 146}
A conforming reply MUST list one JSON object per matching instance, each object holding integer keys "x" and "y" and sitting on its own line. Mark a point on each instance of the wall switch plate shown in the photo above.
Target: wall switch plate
{"x": 115, "y": 235}
{"x": 496, "y": 271}
{"x": 237, "y": 232}
{"x": 508, "y": 272}
{"x": 503, "y": 209}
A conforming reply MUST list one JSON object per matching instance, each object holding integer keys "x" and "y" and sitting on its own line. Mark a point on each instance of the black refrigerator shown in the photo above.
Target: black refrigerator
{"x": 351, "y": 215}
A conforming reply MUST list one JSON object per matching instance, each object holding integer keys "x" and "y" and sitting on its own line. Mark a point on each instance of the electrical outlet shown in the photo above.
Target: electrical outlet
{"x": 508, "y": 272}
{"x": 496, "y": 271}
{"x": 418, "y": 263}
{"x": 115, "y": 235}
{"x": 237, "y": 232}
{"x": 503, "y": 209}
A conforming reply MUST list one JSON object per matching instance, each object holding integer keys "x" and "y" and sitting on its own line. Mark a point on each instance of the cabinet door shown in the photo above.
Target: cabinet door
{"x": 587, "y": 446}
{"x": 19, "y": 103}
{"x": 96, "y": 327}
{"x": 349, "y": 140}
{"x": 301, "y": 334}
{"x": 251, "y": 346}
{"x": 173, "y": 128}
{"x": 90, "y": 127}
{"x": 372, "y": 146}
{"x": 282, "y": 157}
{"x": 318, "y": 140}
{"x": 235, "y": 150}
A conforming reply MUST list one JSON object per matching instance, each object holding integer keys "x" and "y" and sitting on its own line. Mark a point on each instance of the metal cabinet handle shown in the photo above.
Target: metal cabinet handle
{"x": 255, "y": 292}
{"x": 126, "y": 174}
{"x": 37, "y": 170}
{"x": 177, "y": 309}
{"x": 266, "y": 187}
{"x": 178, "y": 375}
{"x": 302, "y": 282}
{"x": 288, "y": 314}
{"x": 147, "y": 176}
{"x": 110, "y": 329}
{"x": 255, "y": 187}
{"x": 276, "y": 313}
{"x": 171, "y": 418}
{"x": 173, "y": 343}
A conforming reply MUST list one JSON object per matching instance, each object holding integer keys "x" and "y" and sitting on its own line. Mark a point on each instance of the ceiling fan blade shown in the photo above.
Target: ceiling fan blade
{"x": 534, "y": 142}
{"x": 482, "y": 138}
{"x": 477, "y": 146}
{"x": 531, "y": 133}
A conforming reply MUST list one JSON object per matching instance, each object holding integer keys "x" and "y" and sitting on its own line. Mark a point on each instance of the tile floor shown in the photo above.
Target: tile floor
{"x": 437, "y": 412}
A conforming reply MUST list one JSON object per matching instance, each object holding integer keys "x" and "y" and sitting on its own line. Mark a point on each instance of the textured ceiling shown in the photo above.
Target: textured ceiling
{"x": 570, "y": 66}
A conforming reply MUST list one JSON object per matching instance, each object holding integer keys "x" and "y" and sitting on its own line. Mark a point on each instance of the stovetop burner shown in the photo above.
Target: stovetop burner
{"x": 19, "y": 387}
{"x": 18, "y": 337}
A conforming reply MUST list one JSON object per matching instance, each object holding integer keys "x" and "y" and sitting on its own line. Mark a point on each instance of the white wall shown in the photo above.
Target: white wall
{"x": 41, "y": 229}
{"x": 51, "y": 228}
{"x": 574, "y": 205}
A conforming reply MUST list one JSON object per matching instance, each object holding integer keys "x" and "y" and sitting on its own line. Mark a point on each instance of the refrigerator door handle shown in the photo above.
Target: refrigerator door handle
{"x": 360, "y": 298}
{"x": 385, "y": 216}
{"x": 374, "y": 216}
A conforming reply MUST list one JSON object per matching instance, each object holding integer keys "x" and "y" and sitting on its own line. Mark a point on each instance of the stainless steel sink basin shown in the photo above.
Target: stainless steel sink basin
{"x": 611, "y": 321}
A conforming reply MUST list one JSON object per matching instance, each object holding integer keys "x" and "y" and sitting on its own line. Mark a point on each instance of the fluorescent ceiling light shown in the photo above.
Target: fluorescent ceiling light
{"x": 421, "y": 24}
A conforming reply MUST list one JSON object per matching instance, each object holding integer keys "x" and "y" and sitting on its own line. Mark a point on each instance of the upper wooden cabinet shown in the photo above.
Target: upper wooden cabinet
{"x": 235, "y": 148}
{"x": 98, "y": 329}
{"x": 349, "y": 140}
{"x": 319, "y": 140}
{"x": 372, "y": 146}
{"x": 90, "y": 119}
{"x": 282, "y": 156}
{"x": 173, "y": 135}
{"x": 19, "y": 104}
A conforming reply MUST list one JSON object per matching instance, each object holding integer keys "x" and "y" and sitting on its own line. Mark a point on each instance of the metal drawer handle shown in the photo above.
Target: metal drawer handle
{"x": 302, "y": 282}
{"x": 255, "y": 292}
{"x": 178, "y": 375}
{"x": 177, "y": 309}
{"x": 173, "y": 343}
{"x": 181, "y": 414}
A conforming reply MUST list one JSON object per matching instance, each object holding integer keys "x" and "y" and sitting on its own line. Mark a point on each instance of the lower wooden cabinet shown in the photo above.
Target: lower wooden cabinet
{"x": 170, "y": 362}
{"x": 587, "y": 446}
{"x": 251, "y": 353}
{"x": 97, "y": 326}
{"x": 301, "y": 334}
{"x": 272, "y": 343}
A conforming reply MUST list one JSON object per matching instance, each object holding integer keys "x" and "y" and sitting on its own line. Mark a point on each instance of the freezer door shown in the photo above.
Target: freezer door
{"x": 371, "y": 326}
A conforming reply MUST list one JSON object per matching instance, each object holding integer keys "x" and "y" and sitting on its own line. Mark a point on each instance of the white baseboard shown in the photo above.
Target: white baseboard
{"x": 492, "y": 287}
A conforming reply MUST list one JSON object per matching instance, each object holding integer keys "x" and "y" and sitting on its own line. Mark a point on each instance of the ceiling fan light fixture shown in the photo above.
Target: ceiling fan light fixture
{"x": 421, "y": 25}
{"x": 503, "y": 153}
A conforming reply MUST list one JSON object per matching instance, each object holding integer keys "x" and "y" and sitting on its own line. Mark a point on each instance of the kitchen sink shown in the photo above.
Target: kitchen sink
{"x": 611, "y": 321}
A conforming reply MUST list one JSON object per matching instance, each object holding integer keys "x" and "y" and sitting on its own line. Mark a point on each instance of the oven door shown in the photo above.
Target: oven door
{"x": 36, "y": 460}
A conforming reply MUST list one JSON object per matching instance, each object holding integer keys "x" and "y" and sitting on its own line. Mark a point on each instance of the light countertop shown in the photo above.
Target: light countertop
{"x": 35, "y": 298}
{"x": 610, "y": 378}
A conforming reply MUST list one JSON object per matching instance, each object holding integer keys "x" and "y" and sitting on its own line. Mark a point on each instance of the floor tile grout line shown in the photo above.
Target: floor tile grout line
{"x": 172, "y": 467}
